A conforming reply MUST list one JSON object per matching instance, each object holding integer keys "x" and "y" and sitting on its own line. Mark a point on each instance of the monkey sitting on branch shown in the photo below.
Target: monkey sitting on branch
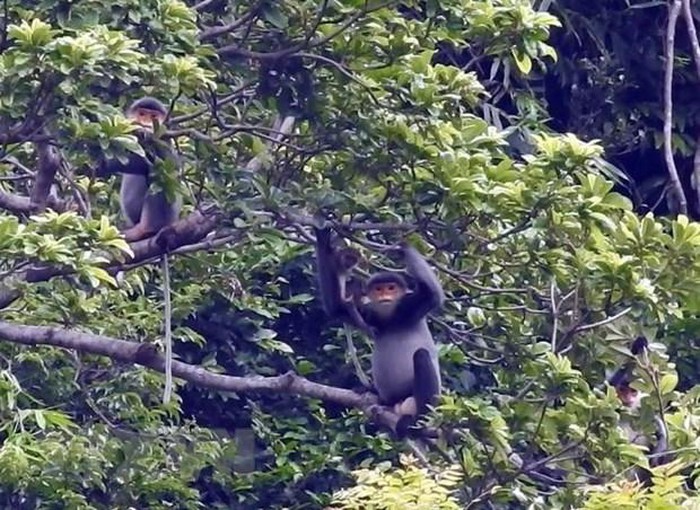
{"x": 146, "y": 213}
{"x": 405, "y": 367}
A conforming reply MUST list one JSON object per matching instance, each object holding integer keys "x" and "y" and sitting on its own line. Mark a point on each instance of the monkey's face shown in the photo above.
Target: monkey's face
{"x": 628, "y": 396}
{"x": 146, "y": 118}
{"x": 347, "y": 258}
{"x": 385, "y": 296}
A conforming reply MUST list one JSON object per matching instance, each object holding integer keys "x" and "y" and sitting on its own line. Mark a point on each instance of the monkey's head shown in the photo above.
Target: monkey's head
{"x": 623, "y": 376}
{"x": 384, "y": 291}
{"x": 146, "y": 111}
{"x": 628, "y": 396}
{"x": 346, "y": 259}
{"x": 621, "y": 381}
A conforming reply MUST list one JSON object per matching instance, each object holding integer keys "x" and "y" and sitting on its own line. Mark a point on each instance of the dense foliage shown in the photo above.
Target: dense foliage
{"x": 419, "y": 120}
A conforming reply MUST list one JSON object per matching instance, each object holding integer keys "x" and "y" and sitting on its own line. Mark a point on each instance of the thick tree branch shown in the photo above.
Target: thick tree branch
{"x": 184, "y": 232}
{"x": 18, "y": 204}
{"x": 146, "y": 355}
{"x": 49, "y": 160}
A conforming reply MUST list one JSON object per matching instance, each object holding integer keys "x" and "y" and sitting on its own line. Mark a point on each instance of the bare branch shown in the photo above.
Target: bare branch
{"x": 692, "y": 34}
{"x": 145, "y": 354}
{"x": 202, "y": 5}
{"x": 285, "y": 128}
{"x": 214, "y": 32}
{"x": 695, "y": 45}
{"x": 668, "y": 106}
{"x": 607, "y": 320}
{"x": 236, "y": 50}
{"x": 18, "y": 204}
{"x": 341, "y": 68}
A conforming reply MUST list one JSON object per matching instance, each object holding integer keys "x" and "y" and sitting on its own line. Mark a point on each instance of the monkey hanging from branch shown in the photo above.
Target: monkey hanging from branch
{"x": 147, "y": 212}
{"x": 405, "y": 367}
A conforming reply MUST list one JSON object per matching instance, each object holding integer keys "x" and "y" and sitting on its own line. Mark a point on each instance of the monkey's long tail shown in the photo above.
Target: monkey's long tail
{"x": 168, "y": 390}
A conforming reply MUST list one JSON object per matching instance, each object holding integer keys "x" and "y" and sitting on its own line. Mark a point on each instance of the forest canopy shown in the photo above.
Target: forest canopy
{"x": 540, "y": 154}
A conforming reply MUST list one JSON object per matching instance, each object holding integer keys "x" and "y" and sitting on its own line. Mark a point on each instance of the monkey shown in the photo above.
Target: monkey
{"x": 145, "y": 213}
{"x": 631, "y": 399}
{"x": 341, "y": 263}
{"x": 405, "y": 366}
{"x": 148, "y": 213}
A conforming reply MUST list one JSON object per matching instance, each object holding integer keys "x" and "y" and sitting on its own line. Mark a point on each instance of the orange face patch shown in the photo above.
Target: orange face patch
{"x": 627, "y": 395}
{"x": 147, "y": 118}
{"x": 385, "y": 292}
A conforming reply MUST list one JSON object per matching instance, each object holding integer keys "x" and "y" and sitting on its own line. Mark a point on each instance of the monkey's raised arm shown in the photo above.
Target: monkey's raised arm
{"x": 428, "y": 294}
{"x": 329, "y": 287}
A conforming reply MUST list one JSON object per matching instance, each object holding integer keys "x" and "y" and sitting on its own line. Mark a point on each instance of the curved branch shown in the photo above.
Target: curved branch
{"x": 145, "y": 354}
{"x": 219, "y": 30}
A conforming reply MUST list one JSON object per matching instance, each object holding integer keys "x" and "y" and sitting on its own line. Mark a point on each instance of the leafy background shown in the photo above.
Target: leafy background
{"x": 518, "y": 145}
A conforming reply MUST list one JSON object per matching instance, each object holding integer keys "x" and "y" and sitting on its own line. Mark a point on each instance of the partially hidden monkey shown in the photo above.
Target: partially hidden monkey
{"x": 630, "y": 398}
{"x": 147, "y": 213}
{"x": 405, "y": 367}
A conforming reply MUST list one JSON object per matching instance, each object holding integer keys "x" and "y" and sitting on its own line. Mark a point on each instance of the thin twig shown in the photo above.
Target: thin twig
{"x": 352, "y": 352}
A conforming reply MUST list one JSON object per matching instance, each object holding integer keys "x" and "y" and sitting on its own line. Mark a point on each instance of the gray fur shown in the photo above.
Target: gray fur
{"x": 136, "y": 202}
{"x": 399, "y": 330}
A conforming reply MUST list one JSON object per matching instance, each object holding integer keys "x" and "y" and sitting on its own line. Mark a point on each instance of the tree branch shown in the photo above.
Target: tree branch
{"x": 184, "y": 232}
{"x": 48, "y": 162}
{"x": 18, "y": 204}
{"x": 145, "y": 354}
{"x": 668, "y": 106}
{"x": 695, "y": 46}
{"x": 214, "y": 32}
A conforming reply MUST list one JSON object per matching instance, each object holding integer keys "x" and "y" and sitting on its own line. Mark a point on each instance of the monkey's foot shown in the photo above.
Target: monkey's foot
{"x": 136, "y": 233}
{"x": 407, "y": 426}
{"x": 165, "y": 237}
